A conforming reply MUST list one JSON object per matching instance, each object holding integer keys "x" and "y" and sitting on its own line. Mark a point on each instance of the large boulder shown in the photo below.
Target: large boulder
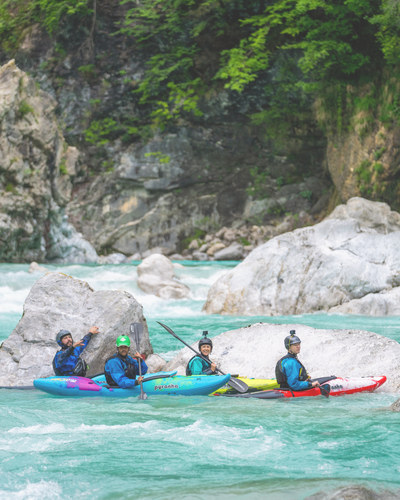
{"x": 339, "y": 265}
{"x": 253, "y": 351}
{"x": 56, "y": 302}
{"x": 156, "y": 277}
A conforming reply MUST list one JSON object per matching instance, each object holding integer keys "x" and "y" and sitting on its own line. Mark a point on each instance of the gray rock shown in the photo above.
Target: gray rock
{"x": 355, "y": 492}
{"x": 370, "y": 214}
{"x": 135, "y": 256}
{"x": 156, "y": 277}
{"x": 156, "y": 250}
{"x": 155, "y": 363}
{"x": 395, "y": 406}
{"x": 214, "y": 248}
{"x": 114, "y": 258}
{"x": 177, "y": 256}
{"x": 335, "y": 266}
{"x": 35, "y": 268}
{"x": 194, "y": 245}
{"x": 199, "y": 256}
{"x": 56, "y": 302}
{"x": 235, "y": 251}
{"x": 253, "y": 351}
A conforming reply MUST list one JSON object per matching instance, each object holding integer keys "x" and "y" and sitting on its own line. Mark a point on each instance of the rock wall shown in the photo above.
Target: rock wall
{"x": 36, "y": 171}
{"x": 203, "y": 187}
{"x": 339, "y": 265}
{"x": 132, "y": 193}
{"x": 253, "y": 351}
{"x": 57, "y": 302}
{"x": 366, "y": 163}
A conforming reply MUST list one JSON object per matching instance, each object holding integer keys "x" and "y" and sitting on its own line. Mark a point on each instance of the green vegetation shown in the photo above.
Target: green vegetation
{"x": 199, "y": 235}
{"x": 306, "y": 194}
{"x": 18, "y": 16}
{"x": 88, "y": 71}
{"x": 162, "y": 158}
{"x": 63, "y": 167}
{"x": 24, "y": 109}
{"x": 243, "y": 241}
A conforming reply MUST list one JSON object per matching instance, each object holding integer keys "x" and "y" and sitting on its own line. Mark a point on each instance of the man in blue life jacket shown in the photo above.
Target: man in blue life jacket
{"x": 289, "y": 371}
{"x": 68, "y": 360}
{"x": 120, "y": 369}
{"x": 198, "y": 366}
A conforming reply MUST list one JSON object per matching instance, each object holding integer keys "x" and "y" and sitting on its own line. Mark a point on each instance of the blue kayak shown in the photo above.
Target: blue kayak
{"x": 160, "y": 383}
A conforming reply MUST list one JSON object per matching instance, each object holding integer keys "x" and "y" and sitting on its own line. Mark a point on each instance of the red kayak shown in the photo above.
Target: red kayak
{"x": 331, "y": 386}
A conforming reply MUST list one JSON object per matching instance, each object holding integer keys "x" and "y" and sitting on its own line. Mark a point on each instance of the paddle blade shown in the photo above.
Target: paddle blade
{"x": 143, "y": 396}
{"x": 238, "y": 385}
{"x": 136, "y": 330}
{"x": 325, "y": 390}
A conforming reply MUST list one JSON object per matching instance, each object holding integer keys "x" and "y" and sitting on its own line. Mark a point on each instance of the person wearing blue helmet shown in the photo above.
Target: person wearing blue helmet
{"x": 290, "y": 372}
{"x": 68, "y": 360}
{"x": 197, "y": 365}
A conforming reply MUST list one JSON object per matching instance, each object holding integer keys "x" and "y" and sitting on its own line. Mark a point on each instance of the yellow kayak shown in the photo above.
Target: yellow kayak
{"x": 255, "y": 384}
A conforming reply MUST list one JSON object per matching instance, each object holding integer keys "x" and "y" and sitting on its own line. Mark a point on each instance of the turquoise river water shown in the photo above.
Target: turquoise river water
{"x": 182, "y": 447}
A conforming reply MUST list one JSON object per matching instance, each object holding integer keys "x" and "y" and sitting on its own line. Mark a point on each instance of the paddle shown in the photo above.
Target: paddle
{"x": 238, "y": 385}
{"x": 137, "y": 334}
{"x": 325, "y": 390}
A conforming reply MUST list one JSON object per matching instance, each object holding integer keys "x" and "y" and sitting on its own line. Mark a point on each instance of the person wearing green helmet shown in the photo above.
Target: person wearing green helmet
{"x": 121, "y": 369}
{"x": 290, "y": 372}
{"x": 197, "y": 365}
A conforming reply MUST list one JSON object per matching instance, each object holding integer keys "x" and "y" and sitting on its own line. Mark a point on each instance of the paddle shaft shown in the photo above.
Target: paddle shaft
{"x": 236, "y": 384}
{"x": 142, "y": 394}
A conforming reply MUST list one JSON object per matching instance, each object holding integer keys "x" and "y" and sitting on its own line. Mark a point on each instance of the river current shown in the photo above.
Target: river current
{"x": 189, "y": 447}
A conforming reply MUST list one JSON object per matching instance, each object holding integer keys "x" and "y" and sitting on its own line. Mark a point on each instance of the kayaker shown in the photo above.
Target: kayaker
{"x": 197, "y": 365}
{"x": 120, "y": 369}
{"x": 289, "y": 371}
{"x": 68, "y": 360}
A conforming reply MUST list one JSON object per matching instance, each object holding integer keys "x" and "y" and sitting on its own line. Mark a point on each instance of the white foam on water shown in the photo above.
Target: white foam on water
{"x": 191, "y": 280}
{"x": 28, "y": 445}
{"x": 44, "y": 490}
{"x": 224, "y": 441}
{"x": 57, "y": 428}
{"x": 12, "y": 301}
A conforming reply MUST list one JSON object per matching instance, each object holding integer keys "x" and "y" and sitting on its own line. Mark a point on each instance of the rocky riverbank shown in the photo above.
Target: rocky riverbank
{"x": 346, "y": 264}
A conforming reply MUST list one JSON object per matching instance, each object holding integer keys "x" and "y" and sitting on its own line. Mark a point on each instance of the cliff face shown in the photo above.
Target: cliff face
{"x": 367, "y": 165}
{"x": 36, "y": 167}
{"x": 129, "y": 193}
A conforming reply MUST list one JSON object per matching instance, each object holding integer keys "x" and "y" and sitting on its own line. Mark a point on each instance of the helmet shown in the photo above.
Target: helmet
{"x": 123, "y": 340}
{"x": 291, "y": 339}
{"x": 60, "y": 335}
{"x": 205, "y": 340}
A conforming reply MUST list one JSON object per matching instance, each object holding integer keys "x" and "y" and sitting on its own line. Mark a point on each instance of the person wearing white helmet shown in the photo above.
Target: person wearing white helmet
{"x": 120, "y": 369}
{"x": 290, "y": 372}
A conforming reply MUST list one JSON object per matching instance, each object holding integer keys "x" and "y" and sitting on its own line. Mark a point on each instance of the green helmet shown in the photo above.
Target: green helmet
{"x": 123, "y": 340}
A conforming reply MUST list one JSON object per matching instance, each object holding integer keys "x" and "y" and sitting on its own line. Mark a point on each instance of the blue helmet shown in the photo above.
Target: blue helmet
{"x": 60, "y": 335}
{"x": 292, "y": 339}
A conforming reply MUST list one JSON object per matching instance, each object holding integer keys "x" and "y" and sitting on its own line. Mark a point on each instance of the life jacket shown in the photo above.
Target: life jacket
{"x": 79, "y": 370}
{"x": 281, "y": 377}
{"x": 129, "y": 369}
{"x": 188, "y": 371}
